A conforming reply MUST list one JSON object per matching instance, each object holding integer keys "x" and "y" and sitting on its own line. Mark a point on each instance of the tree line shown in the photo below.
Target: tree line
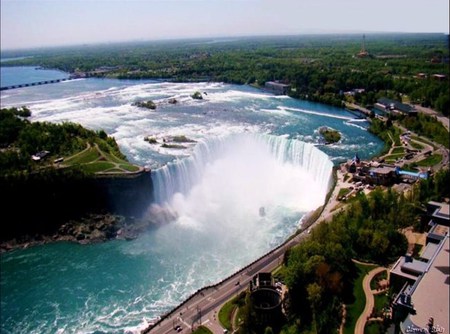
{"x": 319, "y": 68}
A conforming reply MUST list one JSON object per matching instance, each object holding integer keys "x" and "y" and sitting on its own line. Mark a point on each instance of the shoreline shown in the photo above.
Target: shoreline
{"x": 91, "y": 229}
{"x": 270, "y": 259}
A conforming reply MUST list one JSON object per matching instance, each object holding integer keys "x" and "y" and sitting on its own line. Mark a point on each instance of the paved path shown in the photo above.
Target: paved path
{"x": 370, "y": 302}
{"x": 440, "y": 149}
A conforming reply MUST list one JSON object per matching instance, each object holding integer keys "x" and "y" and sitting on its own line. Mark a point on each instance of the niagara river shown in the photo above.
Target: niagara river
{"x": 248, "y": 150}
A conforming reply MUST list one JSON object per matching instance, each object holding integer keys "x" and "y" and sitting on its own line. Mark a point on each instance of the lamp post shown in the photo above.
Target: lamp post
{"x": 199, "y": 314}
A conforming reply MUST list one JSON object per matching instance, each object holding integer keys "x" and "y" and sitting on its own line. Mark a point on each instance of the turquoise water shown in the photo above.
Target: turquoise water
{"x": 10, "y": 76}
{"x": 213, "y": 227}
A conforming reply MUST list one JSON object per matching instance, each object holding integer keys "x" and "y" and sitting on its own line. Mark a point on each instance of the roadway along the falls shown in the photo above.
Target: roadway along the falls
{"x": 203, "y": 307}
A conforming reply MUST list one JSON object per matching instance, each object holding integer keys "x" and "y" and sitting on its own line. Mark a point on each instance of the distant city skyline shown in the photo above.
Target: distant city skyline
{"x": 43, "y": 23}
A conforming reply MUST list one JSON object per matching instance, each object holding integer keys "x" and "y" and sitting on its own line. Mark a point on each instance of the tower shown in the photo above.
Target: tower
{"x": 363, "y": 46}
{"x": 363, "y": 53}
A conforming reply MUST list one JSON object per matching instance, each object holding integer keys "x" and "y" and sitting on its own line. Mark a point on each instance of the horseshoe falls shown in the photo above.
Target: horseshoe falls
{"x": 264, "y": 157}
{"x": 250, "y": 150}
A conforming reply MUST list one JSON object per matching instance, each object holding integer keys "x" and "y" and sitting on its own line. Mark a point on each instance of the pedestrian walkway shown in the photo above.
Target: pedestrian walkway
{"x": 370, "y": 301}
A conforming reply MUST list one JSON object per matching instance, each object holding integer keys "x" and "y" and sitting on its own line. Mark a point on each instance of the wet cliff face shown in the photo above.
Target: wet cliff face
{"x": 128, "y": 196}
{"x": 40, "y": 204}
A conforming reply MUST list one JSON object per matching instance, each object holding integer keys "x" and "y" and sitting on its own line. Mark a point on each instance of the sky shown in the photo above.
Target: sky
{"x": 41, "y": 23}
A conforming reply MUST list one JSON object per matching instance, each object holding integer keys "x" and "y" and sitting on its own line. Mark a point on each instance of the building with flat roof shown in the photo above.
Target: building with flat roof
{"x": 278, "y": 88}
{"x": 422, "y": 304}
{"x": 392, "y": 106}
{"x": 384, "y": 175}
{"x": 439, "y": 212}
{"x": 440, "y": 77}
{"x": 429, "y": 295}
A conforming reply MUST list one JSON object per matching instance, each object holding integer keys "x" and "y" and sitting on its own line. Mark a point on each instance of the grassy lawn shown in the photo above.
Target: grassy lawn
{"x": 432, "y": 160}
{"x": 393, "y": 157}
{"x": 83, "y": 158}
{"x": 202, "y": 330}
{"x": 354, "y": 310}
{"x": 129, "y": 167}
{"x": 94, "y": 161}
{"x": 381, "y": 301}
{"x": 99, "y": 166}
{"x": 424, "y": 141}
{"x": 396, "y": 136}
{"x": 115, "y": 170}
{"x": 225, "y": 313}
{"x": 239, "y": 316}
{"x": 374, "y": 328}
{"x": 373, "y": 283}
{"x": 417, "y": 145}
{"x": 111, "y": 157}
{"x": 398, "y": 150}
{"x": 343, "y": 192}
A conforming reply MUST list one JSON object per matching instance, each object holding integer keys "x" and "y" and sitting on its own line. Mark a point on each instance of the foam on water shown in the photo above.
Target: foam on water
{"x": 209, "y": 197}
{"x": 311, "y": 112}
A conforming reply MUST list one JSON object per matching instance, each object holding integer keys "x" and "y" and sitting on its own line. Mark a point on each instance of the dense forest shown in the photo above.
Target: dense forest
{"x": 318, "y": 67}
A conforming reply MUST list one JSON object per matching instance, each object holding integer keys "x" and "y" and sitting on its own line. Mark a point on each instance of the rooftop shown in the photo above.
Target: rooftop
{"x": 443, "y": 211}
{"x": 439, "y": 230}
{"x": 399, "y": 266}
{"x": 277, "y": 84}
{"x": 382, "y": 170}
{"x": 429, "y": 251}
{"x": 430, "y": 298}
{"x": 395, "y": 105}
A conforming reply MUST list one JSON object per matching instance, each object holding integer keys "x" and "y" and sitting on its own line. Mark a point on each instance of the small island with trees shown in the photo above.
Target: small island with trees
{"x": 330, "y": 135}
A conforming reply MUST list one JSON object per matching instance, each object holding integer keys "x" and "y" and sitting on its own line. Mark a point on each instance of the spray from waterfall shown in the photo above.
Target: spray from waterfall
{"x": 239, "y": 176}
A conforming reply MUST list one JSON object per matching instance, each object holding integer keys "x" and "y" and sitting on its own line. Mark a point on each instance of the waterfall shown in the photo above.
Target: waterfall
{"x": 182, "y": 175}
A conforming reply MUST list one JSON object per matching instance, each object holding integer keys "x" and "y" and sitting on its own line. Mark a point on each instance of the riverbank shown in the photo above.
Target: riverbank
{"x": 91, "y": 229}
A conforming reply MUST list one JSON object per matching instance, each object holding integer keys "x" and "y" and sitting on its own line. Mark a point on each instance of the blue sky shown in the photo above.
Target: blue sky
{"x": 36, "y": 23}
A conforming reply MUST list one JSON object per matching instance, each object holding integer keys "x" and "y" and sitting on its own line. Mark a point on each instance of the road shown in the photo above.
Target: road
{"x": 441, "y": 118}
{"x": 204, "y": 306}
{"x": 440, "y": 149}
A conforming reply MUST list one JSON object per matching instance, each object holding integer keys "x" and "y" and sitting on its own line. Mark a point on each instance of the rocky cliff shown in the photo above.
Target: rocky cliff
{"x": 42, "y": 203}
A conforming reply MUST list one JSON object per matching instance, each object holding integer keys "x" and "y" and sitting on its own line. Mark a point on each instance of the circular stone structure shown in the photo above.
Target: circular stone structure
{"x": 267, "y": 305}
{"x": 266, "y": 299}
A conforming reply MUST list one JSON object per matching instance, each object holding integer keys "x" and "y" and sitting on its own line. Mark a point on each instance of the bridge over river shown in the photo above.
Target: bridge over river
{"x": 39, "y": 83}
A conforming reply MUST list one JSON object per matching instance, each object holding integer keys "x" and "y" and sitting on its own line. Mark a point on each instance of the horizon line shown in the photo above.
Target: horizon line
{"x": 224, "y": 37}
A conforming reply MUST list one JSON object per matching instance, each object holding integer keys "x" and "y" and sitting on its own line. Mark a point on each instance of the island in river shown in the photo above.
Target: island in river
{"x": 330, "y": 135}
